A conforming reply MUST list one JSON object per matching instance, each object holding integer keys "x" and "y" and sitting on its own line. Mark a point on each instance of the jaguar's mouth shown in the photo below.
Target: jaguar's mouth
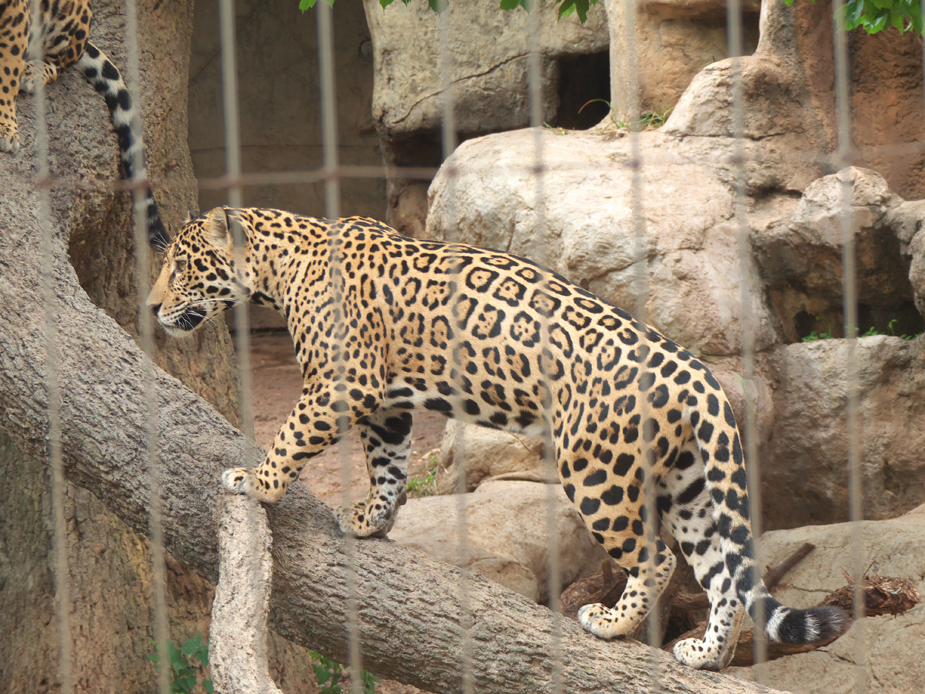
{"x": 186, "y": 322}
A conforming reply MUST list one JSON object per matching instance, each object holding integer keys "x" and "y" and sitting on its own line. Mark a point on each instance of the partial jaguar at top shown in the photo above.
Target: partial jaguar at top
{"x": 64, "y": 41}
{"x": 384, "y": 325}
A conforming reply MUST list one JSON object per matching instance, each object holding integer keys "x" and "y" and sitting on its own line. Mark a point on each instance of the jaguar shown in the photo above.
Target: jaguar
{"x": 384, "y": 325}
{"x": 64, "y": 40}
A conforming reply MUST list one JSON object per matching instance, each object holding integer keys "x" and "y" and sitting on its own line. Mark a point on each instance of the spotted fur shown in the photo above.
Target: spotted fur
{"x": 384, "y": 324}
{"x": 65, "y": 30}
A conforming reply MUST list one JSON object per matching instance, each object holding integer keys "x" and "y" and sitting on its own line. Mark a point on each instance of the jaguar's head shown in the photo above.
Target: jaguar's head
{"x": 198, "y": 279}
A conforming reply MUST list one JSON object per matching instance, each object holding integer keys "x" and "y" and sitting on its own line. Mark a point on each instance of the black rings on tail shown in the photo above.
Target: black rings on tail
{"x": 106, "y": 79}
{"x": 801, "y": 627}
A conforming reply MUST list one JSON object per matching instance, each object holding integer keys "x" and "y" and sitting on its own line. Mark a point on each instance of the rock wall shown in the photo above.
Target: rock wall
{"x": 486, "y": 53}
{"x": 675, "y": 241}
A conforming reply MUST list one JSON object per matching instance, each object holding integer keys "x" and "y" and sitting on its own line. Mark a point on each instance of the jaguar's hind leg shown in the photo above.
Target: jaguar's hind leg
{"x": 690, "y": 519}
{"x": 386, "y": 437}
{"x": 30, "y": 73}
{"x": 645, "y": 583}
{"x": 618, "y": 519}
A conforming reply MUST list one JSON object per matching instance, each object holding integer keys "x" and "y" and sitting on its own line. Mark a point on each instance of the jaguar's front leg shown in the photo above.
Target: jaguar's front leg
{"x": 14, "y": 41}
{"x": 386, "y": 437}
{"x": 321, "y": 418}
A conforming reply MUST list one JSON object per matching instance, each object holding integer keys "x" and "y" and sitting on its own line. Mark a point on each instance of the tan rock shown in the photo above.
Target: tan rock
{"x": 805, "y": 473}
{"x": 488, "y": 64}
{"x": 788, "y": 97}
{"x": 667, "y": 44}
{"x": 483, "y": 454}
{"x": 506, "y": 532}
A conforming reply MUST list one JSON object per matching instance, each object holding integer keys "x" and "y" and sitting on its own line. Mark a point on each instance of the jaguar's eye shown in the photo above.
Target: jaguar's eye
{"x": 179, "y": 266}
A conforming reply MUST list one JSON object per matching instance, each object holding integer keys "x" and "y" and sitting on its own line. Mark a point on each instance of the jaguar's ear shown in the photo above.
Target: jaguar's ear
{"x": 216, "y": 228}
{"x": 189, "y": 218}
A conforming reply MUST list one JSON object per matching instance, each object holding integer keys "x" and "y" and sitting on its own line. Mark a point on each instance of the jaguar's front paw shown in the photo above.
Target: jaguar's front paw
{"x": 366, "y": 518}
{"x": 9, "y": 140}
{"x": 239, "y": 480}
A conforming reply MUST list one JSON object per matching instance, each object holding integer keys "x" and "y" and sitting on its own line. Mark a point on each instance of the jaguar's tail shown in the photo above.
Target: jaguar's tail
{"x": 106, "y": 79}
{"x": 799, "y": 627}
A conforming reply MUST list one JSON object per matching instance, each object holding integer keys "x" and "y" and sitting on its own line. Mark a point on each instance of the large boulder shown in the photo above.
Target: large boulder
{"x": 805, "y": 474}
{"x": 888, "y": 649}
{"x": 506, "y": 529}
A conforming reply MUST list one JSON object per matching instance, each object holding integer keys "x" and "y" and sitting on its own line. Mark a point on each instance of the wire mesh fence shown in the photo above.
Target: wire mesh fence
{"x": 637, "y": 155}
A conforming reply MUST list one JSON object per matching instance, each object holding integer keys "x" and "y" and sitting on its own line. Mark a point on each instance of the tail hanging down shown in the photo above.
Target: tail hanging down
{"x": 106, "y": 79}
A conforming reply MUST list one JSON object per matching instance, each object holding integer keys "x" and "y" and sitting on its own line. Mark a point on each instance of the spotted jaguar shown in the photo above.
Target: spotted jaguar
{"x": 65, "y": 28}
{"x": 384, "y": 325}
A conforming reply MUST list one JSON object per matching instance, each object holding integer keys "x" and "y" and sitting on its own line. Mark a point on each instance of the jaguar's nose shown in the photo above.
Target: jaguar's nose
{"x": 155, "y": 309}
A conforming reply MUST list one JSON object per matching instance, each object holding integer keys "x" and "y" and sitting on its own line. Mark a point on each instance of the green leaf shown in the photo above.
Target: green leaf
{"x": 308, "y": 4}
{"x": 191, "y": 646}
{"x": 878, "y": 24}
{"x": 208, "y": 686}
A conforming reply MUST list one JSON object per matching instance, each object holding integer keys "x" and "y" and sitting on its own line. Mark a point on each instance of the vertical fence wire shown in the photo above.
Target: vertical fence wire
{"x": 535, "y": 58}
{"x": 449, "y": 141}
{"x": 235, "y": 194}
{"x": 332, "y": 190}
{"x": 640, "y": 292}
{"x": 146, "y": 338}
{"x": 43, "y": 183}
{"x": 748, "y": 324}
{"x": 842, "y": 158}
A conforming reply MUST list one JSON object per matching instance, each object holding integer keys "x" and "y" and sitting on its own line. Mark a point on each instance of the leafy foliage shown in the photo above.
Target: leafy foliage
{"x": 426, "y": 484}
{"x": 876, "y": 15}
{"x": 566, "y": 7}
{"x": 328, "y": 673}
{"x": 183, "y": 663}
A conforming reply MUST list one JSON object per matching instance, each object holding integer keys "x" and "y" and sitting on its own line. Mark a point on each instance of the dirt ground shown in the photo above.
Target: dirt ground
{"x": 276, "y": 386}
